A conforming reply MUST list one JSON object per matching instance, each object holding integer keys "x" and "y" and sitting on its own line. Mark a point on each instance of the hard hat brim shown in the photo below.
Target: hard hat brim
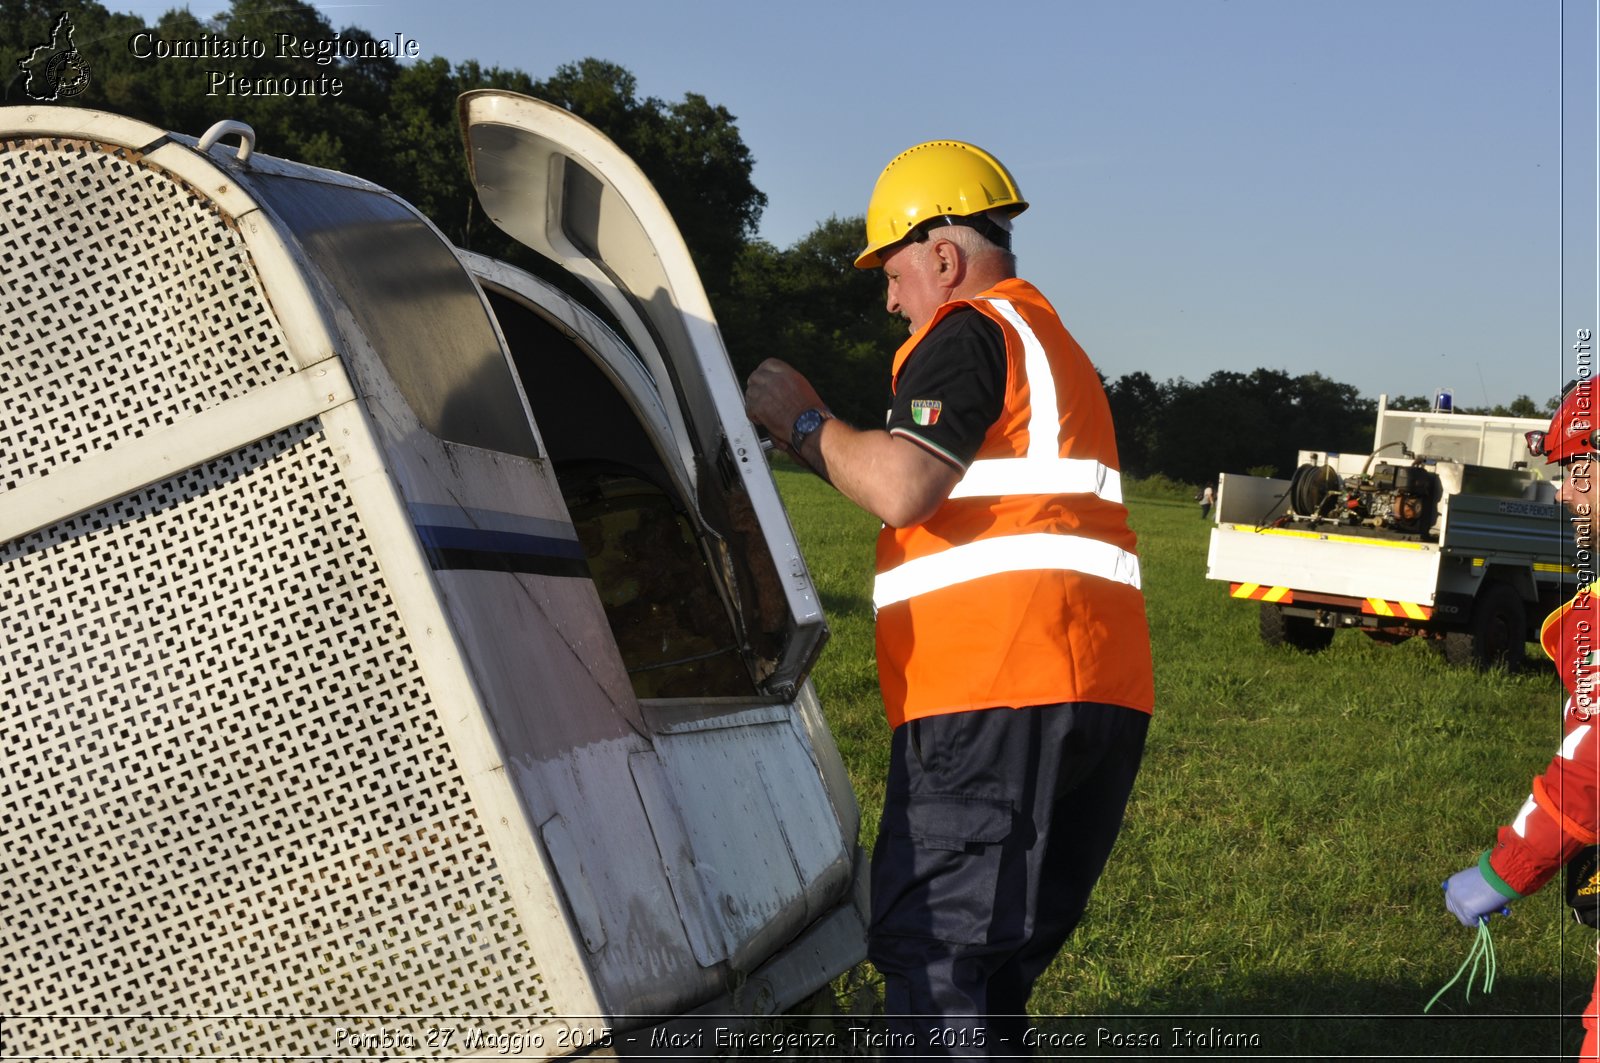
{"x": 873, "y": 256}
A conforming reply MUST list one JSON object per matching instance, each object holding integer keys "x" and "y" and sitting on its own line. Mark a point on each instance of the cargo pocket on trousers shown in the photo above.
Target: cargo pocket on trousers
{"x": 938, "y": 873}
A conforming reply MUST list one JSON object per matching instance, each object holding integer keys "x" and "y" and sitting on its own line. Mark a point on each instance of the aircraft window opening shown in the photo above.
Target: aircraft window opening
{"x": 670, "y": 624}
{"x": 644, "y": 549}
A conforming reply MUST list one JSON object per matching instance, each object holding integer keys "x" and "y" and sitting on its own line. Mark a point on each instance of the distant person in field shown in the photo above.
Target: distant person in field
{"x": 1207, "y": 497}
{"x": 1559, "y": 823}
{"x": 1013, "y": 651}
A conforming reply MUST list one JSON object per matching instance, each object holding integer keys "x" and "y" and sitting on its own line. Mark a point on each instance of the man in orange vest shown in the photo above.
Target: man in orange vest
{"x": 1013, "y": 652}
{"x": 1559, "y": 823}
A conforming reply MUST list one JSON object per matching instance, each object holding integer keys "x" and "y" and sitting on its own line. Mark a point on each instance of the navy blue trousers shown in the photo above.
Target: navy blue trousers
{"x": 996, "y": 825}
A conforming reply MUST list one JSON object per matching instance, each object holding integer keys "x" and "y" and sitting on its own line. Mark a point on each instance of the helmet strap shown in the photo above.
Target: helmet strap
{"x": 995, "y": 234}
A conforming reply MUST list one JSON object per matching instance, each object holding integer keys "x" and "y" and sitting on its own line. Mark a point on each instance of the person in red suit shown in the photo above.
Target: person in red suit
{"x": 1561, "y": 817}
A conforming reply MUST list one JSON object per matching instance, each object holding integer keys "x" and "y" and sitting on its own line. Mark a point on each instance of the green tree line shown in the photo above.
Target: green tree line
{"x": 394, "y": 123}
{"x": 1256, "y": 421}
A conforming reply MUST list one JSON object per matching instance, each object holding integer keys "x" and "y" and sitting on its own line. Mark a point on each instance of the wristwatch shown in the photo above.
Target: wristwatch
{"x": 808, "y": 422}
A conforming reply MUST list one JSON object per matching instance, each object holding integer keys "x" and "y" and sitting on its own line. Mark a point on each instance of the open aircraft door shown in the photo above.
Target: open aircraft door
{"x": 562, "y": 188}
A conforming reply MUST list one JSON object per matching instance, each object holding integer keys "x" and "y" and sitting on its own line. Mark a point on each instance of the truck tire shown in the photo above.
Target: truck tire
{"x": 1497, "y": 635}
{"x": 1280, "y": 629}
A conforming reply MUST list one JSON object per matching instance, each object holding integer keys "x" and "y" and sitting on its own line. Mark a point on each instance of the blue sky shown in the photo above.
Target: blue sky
{"x": 1378, "y": 190}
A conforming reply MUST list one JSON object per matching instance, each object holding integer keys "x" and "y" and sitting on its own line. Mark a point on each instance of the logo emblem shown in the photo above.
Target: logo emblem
{"x": 56, "y": 71}
{"x": 926, "y": 411}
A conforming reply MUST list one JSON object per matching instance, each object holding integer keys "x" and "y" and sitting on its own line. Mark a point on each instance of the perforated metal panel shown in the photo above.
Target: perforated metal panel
{"x": 225, "y": 790}
{"x": 129, "y": 303}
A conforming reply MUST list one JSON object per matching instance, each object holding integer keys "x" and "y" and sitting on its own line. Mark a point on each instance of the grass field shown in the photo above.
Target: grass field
{"x": 1280, "y": 867}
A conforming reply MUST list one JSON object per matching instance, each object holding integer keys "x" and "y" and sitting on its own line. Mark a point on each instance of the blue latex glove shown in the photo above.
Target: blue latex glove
{"x": 1471, "y": 898}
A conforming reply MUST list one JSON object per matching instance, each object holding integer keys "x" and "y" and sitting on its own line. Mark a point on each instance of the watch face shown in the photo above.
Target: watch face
{"x": 804, "y": 425}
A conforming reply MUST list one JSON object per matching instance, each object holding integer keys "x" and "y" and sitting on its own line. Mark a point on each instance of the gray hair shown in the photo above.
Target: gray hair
{"x": 975, "y": 245}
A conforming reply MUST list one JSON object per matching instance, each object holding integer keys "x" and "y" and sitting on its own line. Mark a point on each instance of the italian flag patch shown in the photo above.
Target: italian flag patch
{"x": 926, "y": 411}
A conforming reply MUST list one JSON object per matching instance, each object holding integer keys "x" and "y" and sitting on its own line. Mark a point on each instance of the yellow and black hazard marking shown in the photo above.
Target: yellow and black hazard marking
{"x": 1405, "y": 610}
{"x": 1538, "y": 566}
{"x": 1255, "y": 591}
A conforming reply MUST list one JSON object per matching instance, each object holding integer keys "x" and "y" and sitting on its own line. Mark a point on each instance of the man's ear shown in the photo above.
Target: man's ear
{"x": 952, "y": 262}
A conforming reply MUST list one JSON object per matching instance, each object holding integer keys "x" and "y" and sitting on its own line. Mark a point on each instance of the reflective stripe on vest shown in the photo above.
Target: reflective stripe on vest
{"x": 1039, "y": 476}
{"x": 1040, "y": 472}
{"x": 1005, "y": 553}
{"x": 1044, "y": 417}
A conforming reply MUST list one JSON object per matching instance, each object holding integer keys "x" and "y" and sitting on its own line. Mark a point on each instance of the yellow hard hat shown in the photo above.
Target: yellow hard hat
{"x": 940, "y": 179}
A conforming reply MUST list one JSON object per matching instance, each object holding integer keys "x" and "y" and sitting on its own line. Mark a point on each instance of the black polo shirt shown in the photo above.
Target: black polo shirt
{"x": 952, "y": 387}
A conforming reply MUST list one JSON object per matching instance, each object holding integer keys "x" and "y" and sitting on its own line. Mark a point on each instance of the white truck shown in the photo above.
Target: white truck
{"x": 1446, "y": 531}
{"x": 396, "y": 657}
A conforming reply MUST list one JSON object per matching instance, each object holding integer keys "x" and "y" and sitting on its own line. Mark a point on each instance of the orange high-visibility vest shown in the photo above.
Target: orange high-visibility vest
{"x": 1023, "y": 587}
